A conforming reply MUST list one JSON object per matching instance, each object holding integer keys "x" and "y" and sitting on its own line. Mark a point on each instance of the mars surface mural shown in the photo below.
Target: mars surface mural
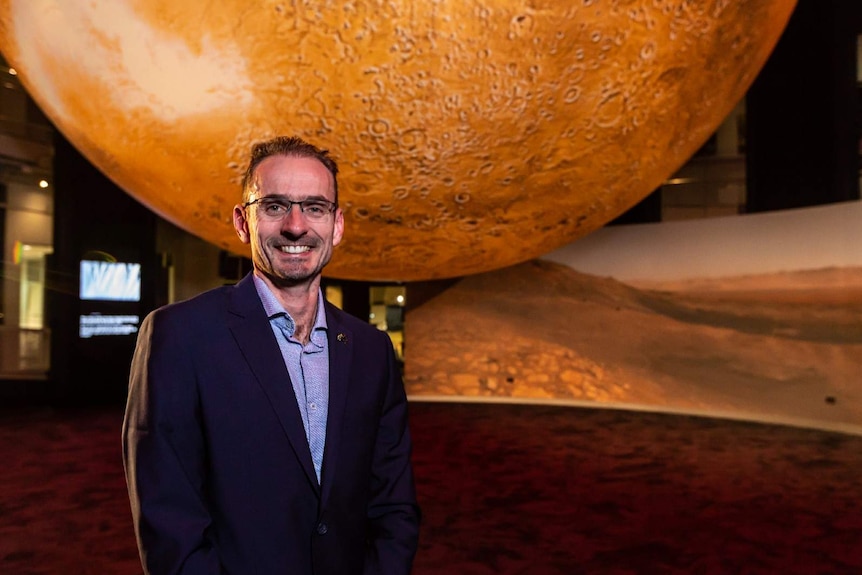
{"x": 471, "y": 135}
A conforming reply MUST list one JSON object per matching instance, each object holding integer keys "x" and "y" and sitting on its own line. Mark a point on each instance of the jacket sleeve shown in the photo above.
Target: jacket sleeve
{"x": 164, "y": 456}
{"x": 393, "y": 512}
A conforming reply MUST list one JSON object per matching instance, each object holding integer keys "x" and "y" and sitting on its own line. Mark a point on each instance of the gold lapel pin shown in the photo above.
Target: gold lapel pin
{"x": 341, "y": 337}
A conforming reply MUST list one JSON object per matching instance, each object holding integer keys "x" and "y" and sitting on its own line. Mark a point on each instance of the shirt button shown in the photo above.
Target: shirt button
{"x": 322, "y": 528}
{"x": 312, "y": 405}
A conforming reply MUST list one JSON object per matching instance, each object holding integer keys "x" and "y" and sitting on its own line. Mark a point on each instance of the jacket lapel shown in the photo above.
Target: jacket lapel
{"x": 340, "y": 355}
{"x": 253, "y": 334}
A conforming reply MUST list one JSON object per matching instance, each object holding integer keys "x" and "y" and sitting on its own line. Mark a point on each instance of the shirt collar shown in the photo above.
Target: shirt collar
{"x": 273, "y": 308}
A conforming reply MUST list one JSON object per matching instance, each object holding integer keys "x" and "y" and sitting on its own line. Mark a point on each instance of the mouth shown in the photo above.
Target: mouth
{"x": 295, "y": 249}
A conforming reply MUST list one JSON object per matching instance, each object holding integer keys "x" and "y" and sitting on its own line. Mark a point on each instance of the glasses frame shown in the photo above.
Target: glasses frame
{"x": 290, "y": 203}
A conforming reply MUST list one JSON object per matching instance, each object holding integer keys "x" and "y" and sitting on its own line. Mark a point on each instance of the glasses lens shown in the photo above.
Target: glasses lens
{"x": 315, "y": 209}
{"x": 272, "y": 209}
{"x": 276, "y": 208}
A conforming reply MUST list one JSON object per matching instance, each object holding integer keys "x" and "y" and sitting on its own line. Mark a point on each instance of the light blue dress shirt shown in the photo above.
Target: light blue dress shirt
{"x": 308, "y": 367}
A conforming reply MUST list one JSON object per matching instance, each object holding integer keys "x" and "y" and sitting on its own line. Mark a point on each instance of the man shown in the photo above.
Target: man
{"x": 266, "y": 430}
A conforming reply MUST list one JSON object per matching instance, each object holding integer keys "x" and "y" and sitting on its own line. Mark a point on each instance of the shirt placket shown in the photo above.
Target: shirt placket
{"x": 316, "y": 402}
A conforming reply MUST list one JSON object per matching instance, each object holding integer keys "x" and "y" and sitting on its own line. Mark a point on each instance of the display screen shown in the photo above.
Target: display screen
{"x": 110, "y": 281}
{"x": 97, "y": 324}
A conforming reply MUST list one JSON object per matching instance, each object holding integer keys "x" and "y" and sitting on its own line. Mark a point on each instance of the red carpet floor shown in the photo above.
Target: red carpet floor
{"x": 505, "y": 489}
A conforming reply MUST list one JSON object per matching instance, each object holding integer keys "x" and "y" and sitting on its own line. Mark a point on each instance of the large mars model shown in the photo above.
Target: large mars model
{"x": 471, "y": 135}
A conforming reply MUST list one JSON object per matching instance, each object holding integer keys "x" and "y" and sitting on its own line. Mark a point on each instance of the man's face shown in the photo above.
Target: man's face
{"x": 292, "y": 249}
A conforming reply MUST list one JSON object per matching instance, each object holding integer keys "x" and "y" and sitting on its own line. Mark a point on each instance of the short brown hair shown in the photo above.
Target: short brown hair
{"x": 287, "y": 146}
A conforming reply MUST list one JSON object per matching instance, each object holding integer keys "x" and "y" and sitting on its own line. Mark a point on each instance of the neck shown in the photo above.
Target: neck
{"x": 303, "y": 320}
{"x": 300, "y": 301}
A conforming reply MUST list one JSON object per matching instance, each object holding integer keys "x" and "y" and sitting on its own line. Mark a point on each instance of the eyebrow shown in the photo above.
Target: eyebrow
{"x": 286, "y": 197}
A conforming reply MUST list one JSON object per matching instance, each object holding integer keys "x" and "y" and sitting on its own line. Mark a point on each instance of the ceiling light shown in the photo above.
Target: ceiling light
{"x": 677, "y": 181}
{"x": 43, "y": 184}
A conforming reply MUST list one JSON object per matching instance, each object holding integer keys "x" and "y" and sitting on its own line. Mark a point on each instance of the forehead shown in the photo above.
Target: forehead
{"x": 289, "y": 175}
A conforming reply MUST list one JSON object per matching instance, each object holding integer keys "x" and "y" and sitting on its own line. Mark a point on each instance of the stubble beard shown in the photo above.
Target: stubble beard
{"x": 288, "y": 273}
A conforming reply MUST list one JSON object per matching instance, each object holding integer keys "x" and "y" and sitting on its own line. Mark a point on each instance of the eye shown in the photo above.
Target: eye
{"x": 315, "y": 207}
{"x": 273, "y": 208}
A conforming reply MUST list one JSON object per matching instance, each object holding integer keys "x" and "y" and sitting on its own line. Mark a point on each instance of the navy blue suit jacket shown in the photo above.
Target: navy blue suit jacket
{"x": 218, "y": 466}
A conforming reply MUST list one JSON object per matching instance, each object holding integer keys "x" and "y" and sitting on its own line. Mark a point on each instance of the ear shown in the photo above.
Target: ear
{"x": 240, "y": 224}
{"x": 338, "y": 228}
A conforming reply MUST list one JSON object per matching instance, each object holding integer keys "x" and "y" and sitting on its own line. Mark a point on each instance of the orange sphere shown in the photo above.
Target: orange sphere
{"x": 470, "y": 135}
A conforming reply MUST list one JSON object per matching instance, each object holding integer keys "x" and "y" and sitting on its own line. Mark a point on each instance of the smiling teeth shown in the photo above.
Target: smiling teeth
{"x": 295, "y": 249}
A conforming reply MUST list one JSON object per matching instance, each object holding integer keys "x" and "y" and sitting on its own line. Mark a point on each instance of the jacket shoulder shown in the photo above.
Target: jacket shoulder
{"x": 207, "y": 308}
{"x": 215, "y": 297}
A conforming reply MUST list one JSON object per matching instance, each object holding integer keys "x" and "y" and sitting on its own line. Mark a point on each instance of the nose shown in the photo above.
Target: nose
{"x": 294, "y": 222}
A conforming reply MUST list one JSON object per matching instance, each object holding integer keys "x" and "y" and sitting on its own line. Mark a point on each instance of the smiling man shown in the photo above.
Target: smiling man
{"x": 266, "y": 430}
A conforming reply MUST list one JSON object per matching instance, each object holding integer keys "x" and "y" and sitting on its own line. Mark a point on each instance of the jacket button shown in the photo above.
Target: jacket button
{"x": 322, "y": 528}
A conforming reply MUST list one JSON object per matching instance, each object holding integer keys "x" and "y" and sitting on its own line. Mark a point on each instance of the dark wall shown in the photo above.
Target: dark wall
{"x": 94, "y": 216}
{"x": 802, "y": 138}
{"x": 648, "y": 210}
{"x": 355, "y": 296}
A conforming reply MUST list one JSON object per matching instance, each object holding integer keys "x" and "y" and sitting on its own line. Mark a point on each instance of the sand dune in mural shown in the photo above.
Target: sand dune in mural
{"x": 780, "y": 347}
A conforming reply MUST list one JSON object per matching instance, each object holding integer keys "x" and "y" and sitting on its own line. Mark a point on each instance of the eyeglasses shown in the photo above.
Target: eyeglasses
{"x": 273, "y": 208}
